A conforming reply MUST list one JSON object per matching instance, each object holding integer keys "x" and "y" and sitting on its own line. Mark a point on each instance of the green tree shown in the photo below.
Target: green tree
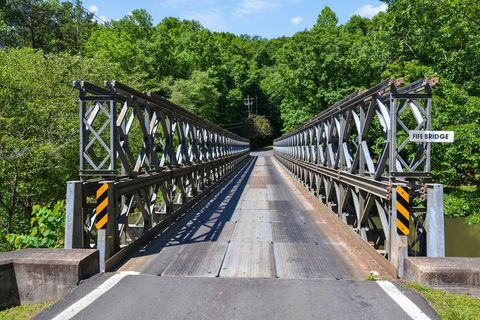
{"x": 39, "y": 129}
{"x": 198, "y": 94}
{"x": 53, "y": 26}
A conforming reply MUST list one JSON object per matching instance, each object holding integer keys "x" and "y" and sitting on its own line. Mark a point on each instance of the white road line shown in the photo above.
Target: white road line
{"x": 406, "y": 304}
{"x": 81, "y": 304}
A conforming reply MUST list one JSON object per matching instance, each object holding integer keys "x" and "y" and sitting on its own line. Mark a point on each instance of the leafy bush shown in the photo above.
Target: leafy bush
{"x": 462, "y": 202}
{"x": 46, "y": 229}
{"x": 473, "y": 219}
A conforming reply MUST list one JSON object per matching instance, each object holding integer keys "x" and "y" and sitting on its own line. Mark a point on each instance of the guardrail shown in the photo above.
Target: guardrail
{"x": 356, "y": 157}
{"x": 144, "y": 161}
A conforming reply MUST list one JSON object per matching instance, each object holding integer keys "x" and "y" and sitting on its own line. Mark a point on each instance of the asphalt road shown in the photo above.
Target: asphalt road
{"x": 249, "y": 251}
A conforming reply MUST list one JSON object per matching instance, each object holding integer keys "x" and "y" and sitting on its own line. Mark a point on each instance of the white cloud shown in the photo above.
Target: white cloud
{"x": 368, "y": 10}
{"x": 296, "y": 20}
{"x": 211, "y": 19}
{"x": 93, "y": 8}
{"x": 104, "y": 18}
{"x": 248, "y": 7}
{"x": 100, "y": 19}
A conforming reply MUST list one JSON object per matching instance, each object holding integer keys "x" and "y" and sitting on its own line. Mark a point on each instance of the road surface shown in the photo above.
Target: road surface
{"x": 256, "y": 249}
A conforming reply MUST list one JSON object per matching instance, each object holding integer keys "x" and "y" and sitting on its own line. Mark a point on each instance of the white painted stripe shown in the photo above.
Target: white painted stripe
{"x": 81, "y": 304}
{"x": 406, "y": 304}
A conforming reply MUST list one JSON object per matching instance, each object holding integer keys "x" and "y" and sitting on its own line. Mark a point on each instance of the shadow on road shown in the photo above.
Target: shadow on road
{"x": 205, "y": 221}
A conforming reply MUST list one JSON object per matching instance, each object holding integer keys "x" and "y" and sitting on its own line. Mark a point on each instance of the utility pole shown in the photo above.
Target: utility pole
{"x": 249, "y": 103}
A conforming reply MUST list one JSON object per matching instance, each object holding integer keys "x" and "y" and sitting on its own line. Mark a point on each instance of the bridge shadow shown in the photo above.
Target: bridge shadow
{"x": 206, "y": 220}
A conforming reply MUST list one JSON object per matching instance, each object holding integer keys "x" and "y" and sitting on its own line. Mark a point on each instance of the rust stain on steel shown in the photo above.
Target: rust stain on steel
{"x": 257, "y": 182}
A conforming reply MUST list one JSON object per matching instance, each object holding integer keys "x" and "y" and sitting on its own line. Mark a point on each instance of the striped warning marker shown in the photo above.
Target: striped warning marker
{"x": 403, "y": 211}
{"x": 101, "y": 215}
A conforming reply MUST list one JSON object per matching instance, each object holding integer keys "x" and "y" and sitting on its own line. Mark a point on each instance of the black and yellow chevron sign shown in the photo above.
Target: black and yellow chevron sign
{"x": 101, "y": 215}
{"x": 403, "y": 211}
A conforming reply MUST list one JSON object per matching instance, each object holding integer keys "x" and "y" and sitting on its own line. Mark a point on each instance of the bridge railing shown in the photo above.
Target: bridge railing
{"x": 357, "y": 157}
{"x": 144, "y": 161}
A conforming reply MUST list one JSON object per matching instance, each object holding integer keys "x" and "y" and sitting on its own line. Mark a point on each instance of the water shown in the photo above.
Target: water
{"x": 461, "y": 239}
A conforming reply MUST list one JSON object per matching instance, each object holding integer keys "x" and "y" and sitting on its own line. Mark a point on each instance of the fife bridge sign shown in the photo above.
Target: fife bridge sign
{"x": 431, "y": 136}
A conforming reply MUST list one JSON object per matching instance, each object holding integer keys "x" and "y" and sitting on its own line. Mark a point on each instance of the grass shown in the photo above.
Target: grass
{"x": 26, "y": 311}
{"x": 373, "y": 276}
{"x": 449, "y": 306}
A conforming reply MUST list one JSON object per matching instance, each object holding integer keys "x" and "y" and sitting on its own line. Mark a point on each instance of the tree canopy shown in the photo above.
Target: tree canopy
{"x": 44, "y": 45}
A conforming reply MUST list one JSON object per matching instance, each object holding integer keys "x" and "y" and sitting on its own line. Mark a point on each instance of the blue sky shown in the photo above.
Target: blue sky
{"x": 266, "y": 18}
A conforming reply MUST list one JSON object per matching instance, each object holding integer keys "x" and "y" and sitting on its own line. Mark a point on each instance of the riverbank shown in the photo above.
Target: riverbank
{"x": 462, "y": 201}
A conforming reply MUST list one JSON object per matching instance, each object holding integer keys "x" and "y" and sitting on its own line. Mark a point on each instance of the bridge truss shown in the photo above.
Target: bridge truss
{"x": 355, "y": 154}
{"x": 144, "y": 161}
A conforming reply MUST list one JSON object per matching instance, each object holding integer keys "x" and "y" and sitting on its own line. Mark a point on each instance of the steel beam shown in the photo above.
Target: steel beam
{"x": 159, "y": 158}
{"x": 358, "y": 149}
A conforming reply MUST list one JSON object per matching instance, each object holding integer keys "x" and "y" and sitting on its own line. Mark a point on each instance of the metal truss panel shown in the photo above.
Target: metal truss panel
{"x": 159, "y": 157}
{"x": 294, "y": 233}
{"x": 252, "y": 231}
{"x": 255, "y": 194}
{"x": 352, "y": 154}
{"x": 202, "y": 259}
{"x": 287, "y": 216}
{"x": 251, "y": 215}
{"x": 257, "y": 182}
{"x": 248, "y": 260}
{"x": 306, "y": 261}
{"x": 253, "y": 205}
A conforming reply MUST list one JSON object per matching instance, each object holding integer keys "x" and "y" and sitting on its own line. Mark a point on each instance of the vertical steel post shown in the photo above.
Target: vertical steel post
{"x": 429, "y": 127}
{"x": 74, "y": 234}
{"x": 398, "y": 244}
{"x": 107, "y": 238}
{"x": 101, "y": 246}
{"x": 113, "y": 136}
{"x": 392, "y": 136}
{"x": 83, "y": 132}
{"x": 434, "y": 222}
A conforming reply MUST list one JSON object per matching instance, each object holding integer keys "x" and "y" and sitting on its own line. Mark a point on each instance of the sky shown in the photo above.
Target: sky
{"x": 265, "y": 18}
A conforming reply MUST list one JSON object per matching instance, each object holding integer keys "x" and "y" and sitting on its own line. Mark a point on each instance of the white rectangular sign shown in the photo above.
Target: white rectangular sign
{"x": 431, "y": 136}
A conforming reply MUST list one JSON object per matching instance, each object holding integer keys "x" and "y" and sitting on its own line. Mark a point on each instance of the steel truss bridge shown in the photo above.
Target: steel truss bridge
{"x": 354, "y": 156}
{"x": 156, "y": 158}
{"x": 145, "y": 162}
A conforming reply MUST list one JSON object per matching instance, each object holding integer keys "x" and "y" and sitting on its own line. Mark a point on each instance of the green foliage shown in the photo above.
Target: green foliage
{"x": 257, "y": 127}
{"x": 47, "y": 44}
{"x": 39, "y": 129}
{"x": 23, "y": 312}
{"x": 373, "y": 276}
{"x": 49, "y": 25}
{"x": 462, "y": 202}
{"x": 198, "y": 94}
{"x": 454, "y": 109}
{"x": 46, "y": 229}
{"x": 474, "y": 218}
{"x": 262, "y": 126}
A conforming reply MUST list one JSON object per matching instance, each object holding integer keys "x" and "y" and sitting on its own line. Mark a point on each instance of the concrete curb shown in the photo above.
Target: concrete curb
{"x": 443, "y": 272}
{"x": 38, "y": 275}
